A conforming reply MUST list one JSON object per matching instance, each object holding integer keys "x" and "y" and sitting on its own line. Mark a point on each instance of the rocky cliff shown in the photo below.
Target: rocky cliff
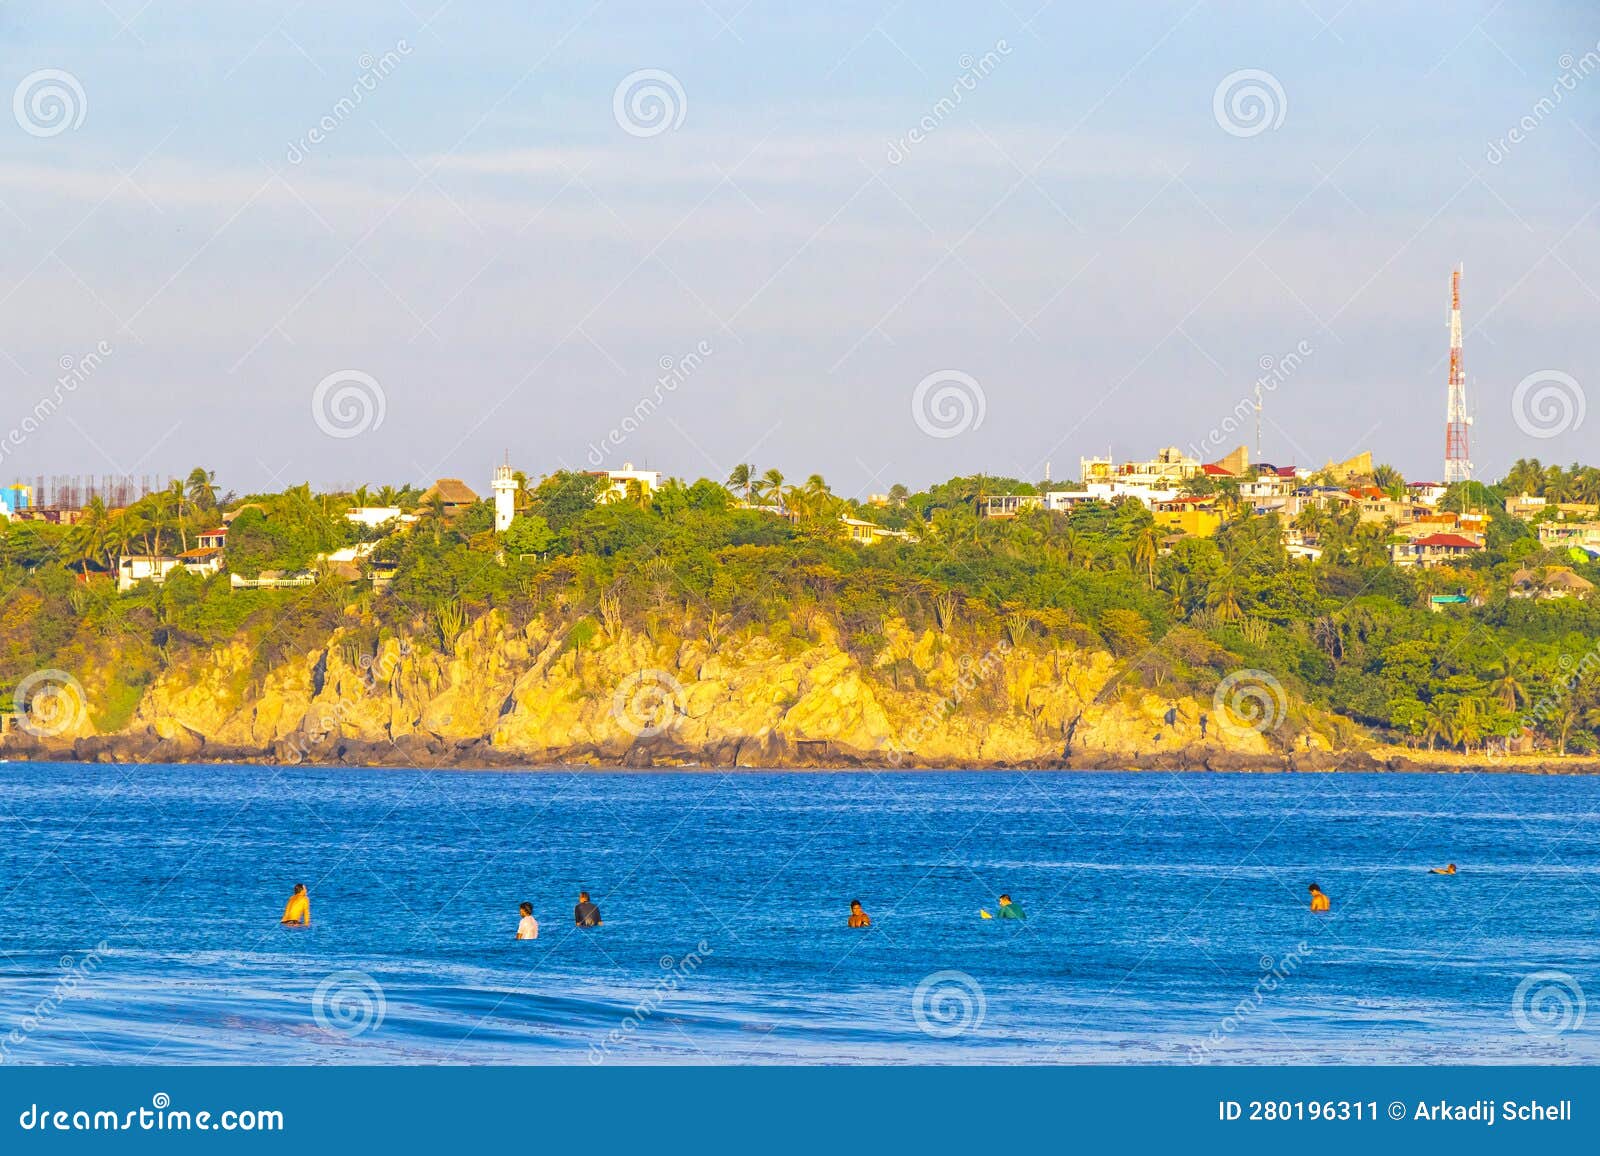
{"x": 548, "y": 694}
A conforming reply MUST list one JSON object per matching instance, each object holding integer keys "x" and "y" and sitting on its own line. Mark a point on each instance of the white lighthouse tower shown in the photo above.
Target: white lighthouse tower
{"x": 505, "y": 498}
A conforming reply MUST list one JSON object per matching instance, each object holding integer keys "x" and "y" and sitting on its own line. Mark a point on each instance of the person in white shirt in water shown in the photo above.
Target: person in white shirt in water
{"x": 528, "y": 928}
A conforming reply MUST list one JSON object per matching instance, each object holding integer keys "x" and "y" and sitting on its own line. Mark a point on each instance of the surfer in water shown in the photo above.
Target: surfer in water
{"x": 1448, "y": 869}
{"x": 297, "y": 912}
{"x": 1008, "y": 910}
{"x": 1319, "y": 900}
{"x": 586, "y": 914}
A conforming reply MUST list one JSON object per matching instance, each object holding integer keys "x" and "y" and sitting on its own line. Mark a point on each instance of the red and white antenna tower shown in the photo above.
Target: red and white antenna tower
{"x": 1457, "y": 455}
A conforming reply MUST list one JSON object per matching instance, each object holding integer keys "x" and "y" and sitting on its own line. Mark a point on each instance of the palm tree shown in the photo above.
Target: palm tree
{"x": 1389, "y": 480}
{"x": 88, "y": 537}
{"x": 1223, "y": 597}
{"x": 1557, "y": 485}
{"x": 1526, "y": 477}
{"x": 1371, "y": 543}
{"x": 522, "y": 496}
{"x": 1071, "y": 547}
{"x": 1146, "y": 548}
{"x": 743, "y": 480}
{"x": 1586, "y": 488}
{"x": 201, "y": 489}
{"x": 178, "y": 505}
{"x": 1435, "y": 724}
{"x": 771, "y": 486}
{"x": 1310, "y": 520}
{"x": 119, "y": 535}
{"x": 433, "y": 513}
{"x": 800, "y": 503}
{"x": 1466, "y": 723}
{"x": 1511, "y": 680}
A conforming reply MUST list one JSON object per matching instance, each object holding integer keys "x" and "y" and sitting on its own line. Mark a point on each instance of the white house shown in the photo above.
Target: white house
{"x": 133, "y": 569}
{"x": 649, "y": 481}
{"x": 374, "y": 516}
{"x": 1141, "y": 492}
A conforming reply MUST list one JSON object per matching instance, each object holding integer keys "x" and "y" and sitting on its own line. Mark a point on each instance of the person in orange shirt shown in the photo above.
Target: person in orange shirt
{"x": 298, "y": 909}
{"x": 858, "y": 917}
{"x": 1319, "y": 901}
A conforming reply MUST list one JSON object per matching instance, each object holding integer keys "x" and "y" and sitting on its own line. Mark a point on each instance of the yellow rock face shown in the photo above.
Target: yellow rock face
{"x": 927, "y": 699}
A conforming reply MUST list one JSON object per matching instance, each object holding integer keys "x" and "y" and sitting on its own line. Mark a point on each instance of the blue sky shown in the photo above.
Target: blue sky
{"x": 1080, "y": 236}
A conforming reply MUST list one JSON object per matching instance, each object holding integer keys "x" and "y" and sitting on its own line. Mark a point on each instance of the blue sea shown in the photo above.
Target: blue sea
{"x": 1167, "y": 917}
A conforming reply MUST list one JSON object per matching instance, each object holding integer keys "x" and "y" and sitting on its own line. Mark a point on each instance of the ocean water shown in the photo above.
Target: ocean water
{"x": 1167, "y": 917}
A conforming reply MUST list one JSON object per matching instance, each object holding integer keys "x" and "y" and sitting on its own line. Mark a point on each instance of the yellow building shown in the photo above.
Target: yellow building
{"x": 1190, "y": 517}
{"x": 870, "y": 533}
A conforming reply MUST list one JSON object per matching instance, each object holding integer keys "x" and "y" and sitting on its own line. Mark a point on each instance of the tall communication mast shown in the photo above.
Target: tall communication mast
{"x": 1457, "y": 454}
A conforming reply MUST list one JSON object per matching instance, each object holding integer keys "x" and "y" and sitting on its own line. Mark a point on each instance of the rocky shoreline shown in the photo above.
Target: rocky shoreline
{"x": 771, "y": 753}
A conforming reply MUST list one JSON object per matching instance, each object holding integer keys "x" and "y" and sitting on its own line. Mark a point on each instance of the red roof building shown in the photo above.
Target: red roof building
{"x": 1434, "y": 550}
{"x": 1449, "y": 541}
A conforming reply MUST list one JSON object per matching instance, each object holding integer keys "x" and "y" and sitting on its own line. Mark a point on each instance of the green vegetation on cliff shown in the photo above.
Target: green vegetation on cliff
{"x": 1098, "y": 599}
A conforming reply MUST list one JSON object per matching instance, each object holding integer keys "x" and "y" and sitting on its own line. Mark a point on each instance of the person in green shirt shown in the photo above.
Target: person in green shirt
{"x": 1009, "y": 910}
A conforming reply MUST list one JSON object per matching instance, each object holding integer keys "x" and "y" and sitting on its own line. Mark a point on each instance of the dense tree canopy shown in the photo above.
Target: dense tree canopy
{"x": 1349, "y": 633}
